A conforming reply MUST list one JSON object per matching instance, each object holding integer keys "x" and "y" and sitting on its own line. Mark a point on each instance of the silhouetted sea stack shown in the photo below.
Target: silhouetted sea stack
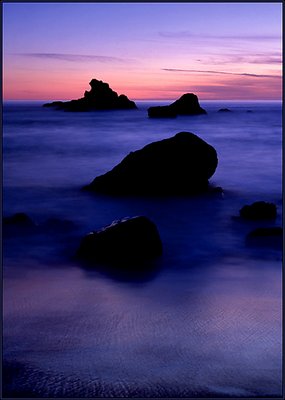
{"x": 181, "y": 164}
{"x": 126, "y": 240}
{"x": 188, "y": 104}
{"x": 100, "y": 97}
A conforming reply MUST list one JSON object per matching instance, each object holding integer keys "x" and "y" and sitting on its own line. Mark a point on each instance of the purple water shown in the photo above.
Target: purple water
{"x": 206, "y": 323}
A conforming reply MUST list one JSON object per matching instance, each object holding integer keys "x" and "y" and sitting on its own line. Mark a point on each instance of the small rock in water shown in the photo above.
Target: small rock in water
{"x": 18, "y": 219}
{"x": 266, "y": 236}
{"x": 18, "y": 224}
{"x": 187, "y": 104}
{"x": 268, "y": 231}
{"x": 162, "y": 112}
{"x": 259, "y": 210}
{"x": 224, "y": 110}
{"x": 127, "y": 240}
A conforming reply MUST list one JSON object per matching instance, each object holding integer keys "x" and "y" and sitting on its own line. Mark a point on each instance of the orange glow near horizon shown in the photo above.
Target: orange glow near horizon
{"x": 146, "y": 51}
{"x": 42, "y": 85}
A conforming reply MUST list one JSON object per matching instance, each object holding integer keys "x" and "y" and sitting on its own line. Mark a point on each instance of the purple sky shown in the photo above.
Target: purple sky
{"x": 147, "y": 51}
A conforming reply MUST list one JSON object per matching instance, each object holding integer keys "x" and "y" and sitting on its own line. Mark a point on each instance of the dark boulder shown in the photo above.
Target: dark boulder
{"x": 162, "y": 112}
{"x": 188, "y": 104}
{"x": 266, "y": 237}
{"x": 18, "y": 220}
{"x": 127, "y": 240}
{"x": 18, "y": 224}
{"x": 259, "y": 210}
{"x": 268, "y": 231}
{"x": 224, "y": 110}
{"x": 181, "y": 164}
{"x": 100, "y": 97}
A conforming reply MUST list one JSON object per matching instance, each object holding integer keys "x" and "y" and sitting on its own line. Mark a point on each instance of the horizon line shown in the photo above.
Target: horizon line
{"x": 145, "y": 100}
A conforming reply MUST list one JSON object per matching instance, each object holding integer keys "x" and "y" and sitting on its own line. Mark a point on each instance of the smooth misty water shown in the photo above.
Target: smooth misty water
{"x": 205, "y": 322}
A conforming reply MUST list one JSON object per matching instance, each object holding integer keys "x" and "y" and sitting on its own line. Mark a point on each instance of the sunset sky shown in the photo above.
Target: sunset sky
{"x": 146, "y": 51}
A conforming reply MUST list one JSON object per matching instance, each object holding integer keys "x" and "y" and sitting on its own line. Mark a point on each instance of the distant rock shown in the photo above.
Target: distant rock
{"x": 181, "y": 164}
{"x": 259, "y": 210}
{"x": 224, "y": 110}
{"x": 127, "y": 240}
{"x": 100, "y": 97}
{"x": 188, "y": 104}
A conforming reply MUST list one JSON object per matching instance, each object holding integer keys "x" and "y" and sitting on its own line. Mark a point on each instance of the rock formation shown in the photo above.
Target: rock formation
{"x": 100, "y": 97}
{"x": 188, "y": 104}
{"x": 178, "y": 165}
{"x": 127, "y": 240}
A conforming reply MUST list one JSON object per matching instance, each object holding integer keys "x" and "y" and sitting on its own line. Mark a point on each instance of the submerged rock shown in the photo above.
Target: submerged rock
{"x": 188, "y": 104}
{"x": 18, "y": 224}
{"x": 224, "y": 110}
{"x": 100, "y": 97}
{"x": 268, "y": 231}
{"x": 178, "y": 165}
{"x": 266, "y": 236}
{"x": 127, "y": 240}
{"x": 259, "y": 210}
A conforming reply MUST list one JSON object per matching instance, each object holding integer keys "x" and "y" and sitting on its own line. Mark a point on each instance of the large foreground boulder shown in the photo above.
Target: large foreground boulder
{"x": 100, "y": 97}
{"x": 178, "y": 165}
{"x": 188, "y": 104}
{"x": 127, "y": 240}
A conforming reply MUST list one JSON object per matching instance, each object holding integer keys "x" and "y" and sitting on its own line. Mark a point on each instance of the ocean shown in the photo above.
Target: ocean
{"x": 205, "y": 322}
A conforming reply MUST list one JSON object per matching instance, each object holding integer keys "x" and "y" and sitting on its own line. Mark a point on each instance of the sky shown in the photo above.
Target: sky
{"x": 158, "y": 51}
